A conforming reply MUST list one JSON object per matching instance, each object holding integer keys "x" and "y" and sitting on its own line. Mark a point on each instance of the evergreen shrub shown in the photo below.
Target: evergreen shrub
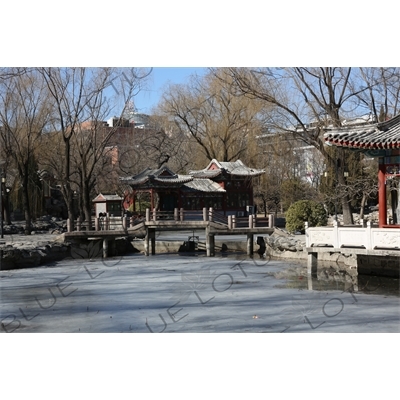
{"x": 305, "y": 211}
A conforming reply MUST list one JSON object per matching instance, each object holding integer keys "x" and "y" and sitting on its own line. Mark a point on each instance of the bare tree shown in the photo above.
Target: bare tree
{"x": 83, "y": 98}
{"x": 167, "y": 144}
{"x": 7, "y": 73}
{"x": 160, "y": 142}
{"x": 382, "y": 96}
{"x": 219, "y": 122}
{"x": 306, "y": 101}
{"x": 67, "y": 89}
{"x": 24, "y": 114}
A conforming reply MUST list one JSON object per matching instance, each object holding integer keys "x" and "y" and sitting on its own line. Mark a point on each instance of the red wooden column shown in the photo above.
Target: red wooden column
{"x": 382, "y": 193}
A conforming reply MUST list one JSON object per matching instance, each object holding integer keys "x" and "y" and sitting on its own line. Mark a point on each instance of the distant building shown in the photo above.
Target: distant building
{"x": 118, "y": 122}
{"x": 108, "y": 203}
{"x": 133, "y": 119}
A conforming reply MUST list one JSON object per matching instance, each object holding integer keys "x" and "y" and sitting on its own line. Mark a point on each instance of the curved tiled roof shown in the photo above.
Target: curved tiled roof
{"x": 158, "y": 176}
{"x": 203, "y": 185}
{"x": 382, "y": 135}
{"x": 233, "y": 168}
{"x": 175, "y": 179}
{"x": 196, "y": 180}
{"x": 212, "y": 173}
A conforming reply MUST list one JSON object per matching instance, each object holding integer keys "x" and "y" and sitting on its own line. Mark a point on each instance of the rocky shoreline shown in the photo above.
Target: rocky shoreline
{"x": 44, "y": 225}
{"x": 45, "y": 244}
{"x": 19, "y": 251}
{"x": 28, "y": 251}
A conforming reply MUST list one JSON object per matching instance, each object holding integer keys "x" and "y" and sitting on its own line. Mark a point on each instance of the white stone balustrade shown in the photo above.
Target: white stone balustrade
{"x": 357, "y": 236}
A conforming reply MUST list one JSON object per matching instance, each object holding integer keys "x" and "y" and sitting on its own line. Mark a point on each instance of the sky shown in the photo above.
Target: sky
{"x": 158, "y": 79}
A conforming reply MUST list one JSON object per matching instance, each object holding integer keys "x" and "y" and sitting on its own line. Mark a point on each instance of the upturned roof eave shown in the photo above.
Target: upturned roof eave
{"x": 376, "y": 136}
{"x": 236, "y": 168}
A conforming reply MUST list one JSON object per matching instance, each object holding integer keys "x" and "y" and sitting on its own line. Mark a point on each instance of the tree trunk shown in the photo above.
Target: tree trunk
{"x": 87, "y": 209}
{"x": 69, "y": 201}
{"x": 346, "y": 208}
{"x": 362, "y": 208}
{"x": 26, "y": 205}
{"x": 6, "y": 208}
{"x": 81, "y": 201}
{"x": 347, "y": 214}
{"x": 67, "y": 191}
{"x": 336, "y": 162}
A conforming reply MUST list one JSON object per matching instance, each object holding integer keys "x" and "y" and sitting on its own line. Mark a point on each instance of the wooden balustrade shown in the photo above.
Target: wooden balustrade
{"x": 178, "y": 214}
{"x": 100, "y": 224}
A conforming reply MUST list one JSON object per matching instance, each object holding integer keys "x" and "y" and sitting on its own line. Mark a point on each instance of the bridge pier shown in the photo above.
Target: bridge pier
{"x": 210, "y": 243}
{"x": 105, "y": 248}
{"x": 150, "y": 240}
{"x": 109, "y": 247}
{"x": 250, "y": 244}
{"x": 312, "y": 262}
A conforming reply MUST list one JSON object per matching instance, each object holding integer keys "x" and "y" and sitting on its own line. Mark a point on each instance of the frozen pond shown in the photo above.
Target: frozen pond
{"x": 172, "y": 293}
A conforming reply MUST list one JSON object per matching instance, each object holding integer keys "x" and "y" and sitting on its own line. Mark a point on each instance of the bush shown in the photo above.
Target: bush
{"x": 305, "y": 211}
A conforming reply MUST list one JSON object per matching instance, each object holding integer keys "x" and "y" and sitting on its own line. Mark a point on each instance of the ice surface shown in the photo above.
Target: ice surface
{"x": 172, "y": 293}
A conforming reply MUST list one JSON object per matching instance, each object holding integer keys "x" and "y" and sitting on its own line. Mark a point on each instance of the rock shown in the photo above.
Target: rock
{"x": 22, "y": 251}
{"x": 284, "y": 242}
{"x": 30, "y": 253}
{"x": 59, "y": 239}
{"x": 12, "y": 229}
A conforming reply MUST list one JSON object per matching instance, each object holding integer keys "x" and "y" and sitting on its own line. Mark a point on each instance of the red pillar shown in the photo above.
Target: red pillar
{"x": 382, "y": 193}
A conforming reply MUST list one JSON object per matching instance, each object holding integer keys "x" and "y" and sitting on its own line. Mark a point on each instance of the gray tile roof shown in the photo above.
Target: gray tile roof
{"x": 233, "y": 168}
{"x": 196, "y": 180}
{"x": 382, "y": 135}
{"x": 107, "y": 197}
{"x": 205, "y": 174}
{"x": 202, "y": 185}
{"x": 160, "y": 175}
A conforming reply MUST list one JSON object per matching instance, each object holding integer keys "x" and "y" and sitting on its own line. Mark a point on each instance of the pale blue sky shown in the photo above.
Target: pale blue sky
{"x": 160, "y": 77}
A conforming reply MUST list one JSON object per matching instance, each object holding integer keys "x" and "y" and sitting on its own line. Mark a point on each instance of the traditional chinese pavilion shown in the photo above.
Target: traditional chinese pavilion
{"x": 380, "y": 140}
{"x": 225, "y": 186}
